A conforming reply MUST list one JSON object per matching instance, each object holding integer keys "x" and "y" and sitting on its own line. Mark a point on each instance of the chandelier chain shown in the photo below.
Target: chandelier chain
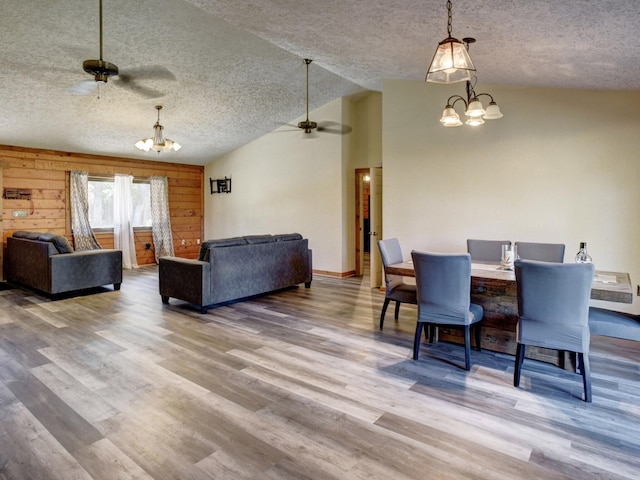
{"x": 449, "y": 17}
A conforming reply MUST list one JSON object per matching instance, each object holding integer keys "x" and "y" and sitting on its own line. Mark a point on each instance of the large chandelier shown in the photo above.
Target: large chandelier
{"x": 158, "y": 142}
{"x": 474, "y": 110}
{"x": 451, "y": 63}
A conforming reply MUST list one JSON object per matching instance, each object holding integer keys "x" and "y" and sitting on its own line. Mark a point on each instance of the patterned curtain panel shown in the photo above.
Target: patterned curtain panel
{"x": 160, "y": 219}
{"x": 83, "y": 237}
{"x": 123, "y": 220}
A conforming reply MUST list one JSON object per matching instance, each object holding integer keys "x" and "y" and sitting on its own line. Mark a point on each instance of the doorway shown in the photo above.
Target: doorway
{"x": 368, "y": 215}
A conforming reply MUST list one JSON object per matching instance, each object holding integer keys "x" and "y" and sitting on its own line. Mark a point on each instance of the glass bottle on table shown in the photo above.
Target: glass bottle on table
{"x": 582, "y": 256}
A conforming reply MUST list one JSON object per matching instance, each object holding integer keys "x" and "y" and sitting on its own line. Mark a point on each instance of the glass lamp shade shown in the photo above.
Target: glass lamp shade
{"x": 450, "y": 118}
{"x": 475, "y": 109}
{"x": 474, "y": 121}
{"x": 158, "y": 143}
{"x": 451, "y": 63}
{"x": 493, "y": 112}
{"x": 166, "y": 146}
{"x": 145, "y": 144}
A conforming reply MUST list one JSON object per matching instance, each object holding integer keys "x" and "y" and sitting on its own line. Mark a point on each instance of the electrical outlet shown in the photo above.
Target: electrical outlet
{"x": 20, "y": 213}
{"x": 184, "y": 242}
{"x": 198, "y": 243}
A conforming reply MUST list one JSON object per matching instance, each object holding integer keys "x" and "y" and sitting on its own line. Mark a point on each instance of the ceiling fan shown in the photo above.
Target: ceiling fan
{"x": 308, "y": 126}
{"x": 103, "y": 70}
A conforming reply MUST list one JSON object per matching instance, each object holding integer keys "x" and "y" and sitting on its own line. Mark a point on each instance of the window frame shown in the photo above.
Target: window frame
{"x": 111, "y": 179}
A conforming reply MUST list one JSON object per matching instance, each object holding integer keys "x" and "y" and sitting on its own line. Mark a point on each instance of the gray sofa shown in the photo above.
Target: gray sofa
{"x": 234, "y": 268}
{"x": 47, "y": 262}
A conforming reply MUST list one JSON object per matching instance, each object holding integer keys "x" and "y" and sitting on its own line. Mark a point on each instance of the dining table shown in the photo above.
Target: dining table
{"x": 494, "y": 288}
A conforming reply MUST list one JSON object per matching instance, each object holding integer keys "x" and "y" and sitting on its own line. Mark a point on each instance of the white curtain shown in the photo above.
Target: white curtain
{"x": 160, "y": 219}
{"x": 83, "y": 237}
{"x": 122, "y": 220}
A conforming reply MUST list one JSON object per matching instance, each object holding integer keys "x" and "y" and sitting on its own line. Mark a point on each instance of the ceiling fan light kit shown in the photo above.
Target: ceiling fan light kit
{"x": 158, "y": 143}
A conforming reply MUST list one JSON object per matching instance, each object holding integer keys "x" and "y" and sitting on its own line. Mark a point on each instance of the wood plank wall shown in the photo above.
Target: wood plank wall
{"x": 46, "y": 173}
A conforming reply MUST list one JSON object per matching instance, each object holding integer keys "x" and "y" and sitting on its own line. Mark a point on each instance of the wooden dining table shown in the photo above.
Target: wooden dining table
{"x": 494, "y": 288}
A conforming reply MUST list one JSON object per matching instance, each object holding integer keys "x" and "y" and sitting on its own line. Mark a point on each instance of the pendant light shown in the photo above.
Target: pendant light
{"x": 451, "y": 63}
{"x": 158, "y": 142}
{"x": 474, "y": 110}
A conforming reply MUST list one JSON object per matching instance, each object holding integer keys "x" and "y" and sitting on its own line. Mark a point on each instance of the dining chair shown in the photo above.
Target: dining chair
{"x": 541, "y": 252}
{"x": 443, "y": 286}
{"x": 395, "y": 287}
{"x": 553, "y": 312}
{"x": 614, "y": 324}
{"x": 486, "y": 250}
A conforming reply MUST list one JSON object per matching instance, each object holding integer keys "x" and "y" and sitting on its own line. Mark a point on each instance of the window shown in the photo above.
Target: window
{"x": 101, "y": 203}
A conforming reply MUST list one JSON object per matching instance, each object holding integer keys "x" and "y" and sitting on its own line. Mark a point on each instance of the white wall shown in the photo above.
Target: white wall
{"x": 287, "y": 182}
{"x": 561, "y": 166}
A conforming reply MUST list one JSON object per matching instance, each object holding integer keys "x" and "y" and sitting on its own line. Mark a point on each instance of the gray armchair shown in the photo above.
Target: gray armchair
{"x": 541, "y": 252}
{"x": 486, "y": 250}
{"x": 396, "y": 289}
{"x": 553, "y": 312}
{"x": 443, "y": 285}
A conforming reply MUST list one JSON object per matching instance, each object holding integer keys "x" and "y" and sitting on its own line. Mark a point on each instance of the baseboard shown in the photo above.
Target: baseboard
{"x": 325, "y": 273}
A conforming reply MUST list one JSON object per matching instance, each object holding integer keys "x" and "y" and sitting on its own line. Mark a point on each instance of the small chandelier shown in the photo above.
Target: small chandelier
{"x": 474, "y": 110}
{"x": 451, "y": 63}
{"x": 158, "y": 142}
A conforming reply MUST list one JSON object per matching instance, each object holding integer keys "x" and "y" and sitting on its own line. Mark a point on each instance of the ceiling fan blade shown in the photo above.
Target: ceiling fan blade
{"x": 148, "y": 72}
{"x": 334, "y": 127}
{"x": 83, "y": 87}
{"x": 129, "y": 83}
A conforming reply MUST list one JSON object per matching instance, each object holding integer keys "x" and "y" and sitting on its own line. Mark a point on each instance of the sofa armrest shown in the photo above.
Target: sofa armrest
{"x": 185, "y": 279}
{"x": 85, "y": 269}
{"x": 27, "y": 263}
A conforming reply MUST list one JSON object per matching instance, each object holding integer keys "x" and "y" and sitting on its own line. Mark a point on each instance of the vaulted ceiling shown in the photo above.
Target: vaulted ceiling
{"x": 230, "y": 71}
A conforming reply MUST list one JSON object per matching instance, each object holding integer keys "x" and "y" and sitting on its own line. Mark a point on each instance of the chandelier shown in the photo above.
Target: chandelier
{"x": 451, "y": 63}
{"x": 474, "y": 110}
{"x": 158, "y": 142}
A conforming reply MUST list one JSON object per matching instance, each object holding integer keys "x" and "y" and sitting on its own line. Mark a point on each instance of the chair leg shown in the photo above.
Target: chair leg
{"x": 384, "y": 310}
{"x": 478, "y": 330}
{"x": 397, "y": 312}
{"x": 417, "y": 339}
{"x": 467, "y": 347}
{"x": 433, "y": 329}
{"x": 519, "y": 358}
{"x": 586, "y": 375}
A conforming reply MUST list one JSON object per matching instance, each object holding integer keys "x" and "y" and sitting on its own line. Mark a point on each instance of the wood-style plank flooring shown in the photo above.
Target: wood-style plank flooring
{"x": 300, "y": 384}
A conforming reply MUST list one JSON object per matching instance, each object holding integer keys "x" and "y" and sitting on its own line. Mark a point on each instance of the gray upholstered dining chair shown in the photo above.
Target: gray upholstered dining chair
{"x": 541, "y": 252}
{"x": 614, "y": 324}
{"x": 553, "y": 312}
{"x": 443, "y": 287}
{"x": 486, "y": 250}
{"x": 395, "y": 287}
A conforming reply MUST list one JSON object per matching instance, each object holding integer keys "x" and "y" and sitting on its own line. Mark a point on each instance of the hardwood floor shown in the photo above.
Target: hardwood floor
{"x": 299, "y": 384}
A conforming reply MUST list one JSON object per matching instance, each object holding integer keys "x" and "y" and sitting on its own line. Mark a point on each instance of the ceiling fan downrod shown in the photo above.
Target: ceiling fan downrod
{"x": 100, "y": 69}
{"x": 307, "y": 125}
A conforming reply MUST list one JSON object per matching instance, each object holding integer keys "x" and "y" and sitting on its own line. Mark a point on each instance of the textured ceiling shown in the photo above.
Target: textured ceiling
{"x": 232, "y": 70}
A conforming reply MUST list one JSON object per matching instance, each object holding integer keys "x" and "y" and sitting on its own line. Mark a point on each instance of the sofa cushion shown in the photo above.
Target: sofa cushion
{"x": 203, "y": 255}
{"x": 285, "y": 237}
{"x": 253, "y": 239}
{"x": 27, "y": 235}
{"x": 59, "y": 241}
